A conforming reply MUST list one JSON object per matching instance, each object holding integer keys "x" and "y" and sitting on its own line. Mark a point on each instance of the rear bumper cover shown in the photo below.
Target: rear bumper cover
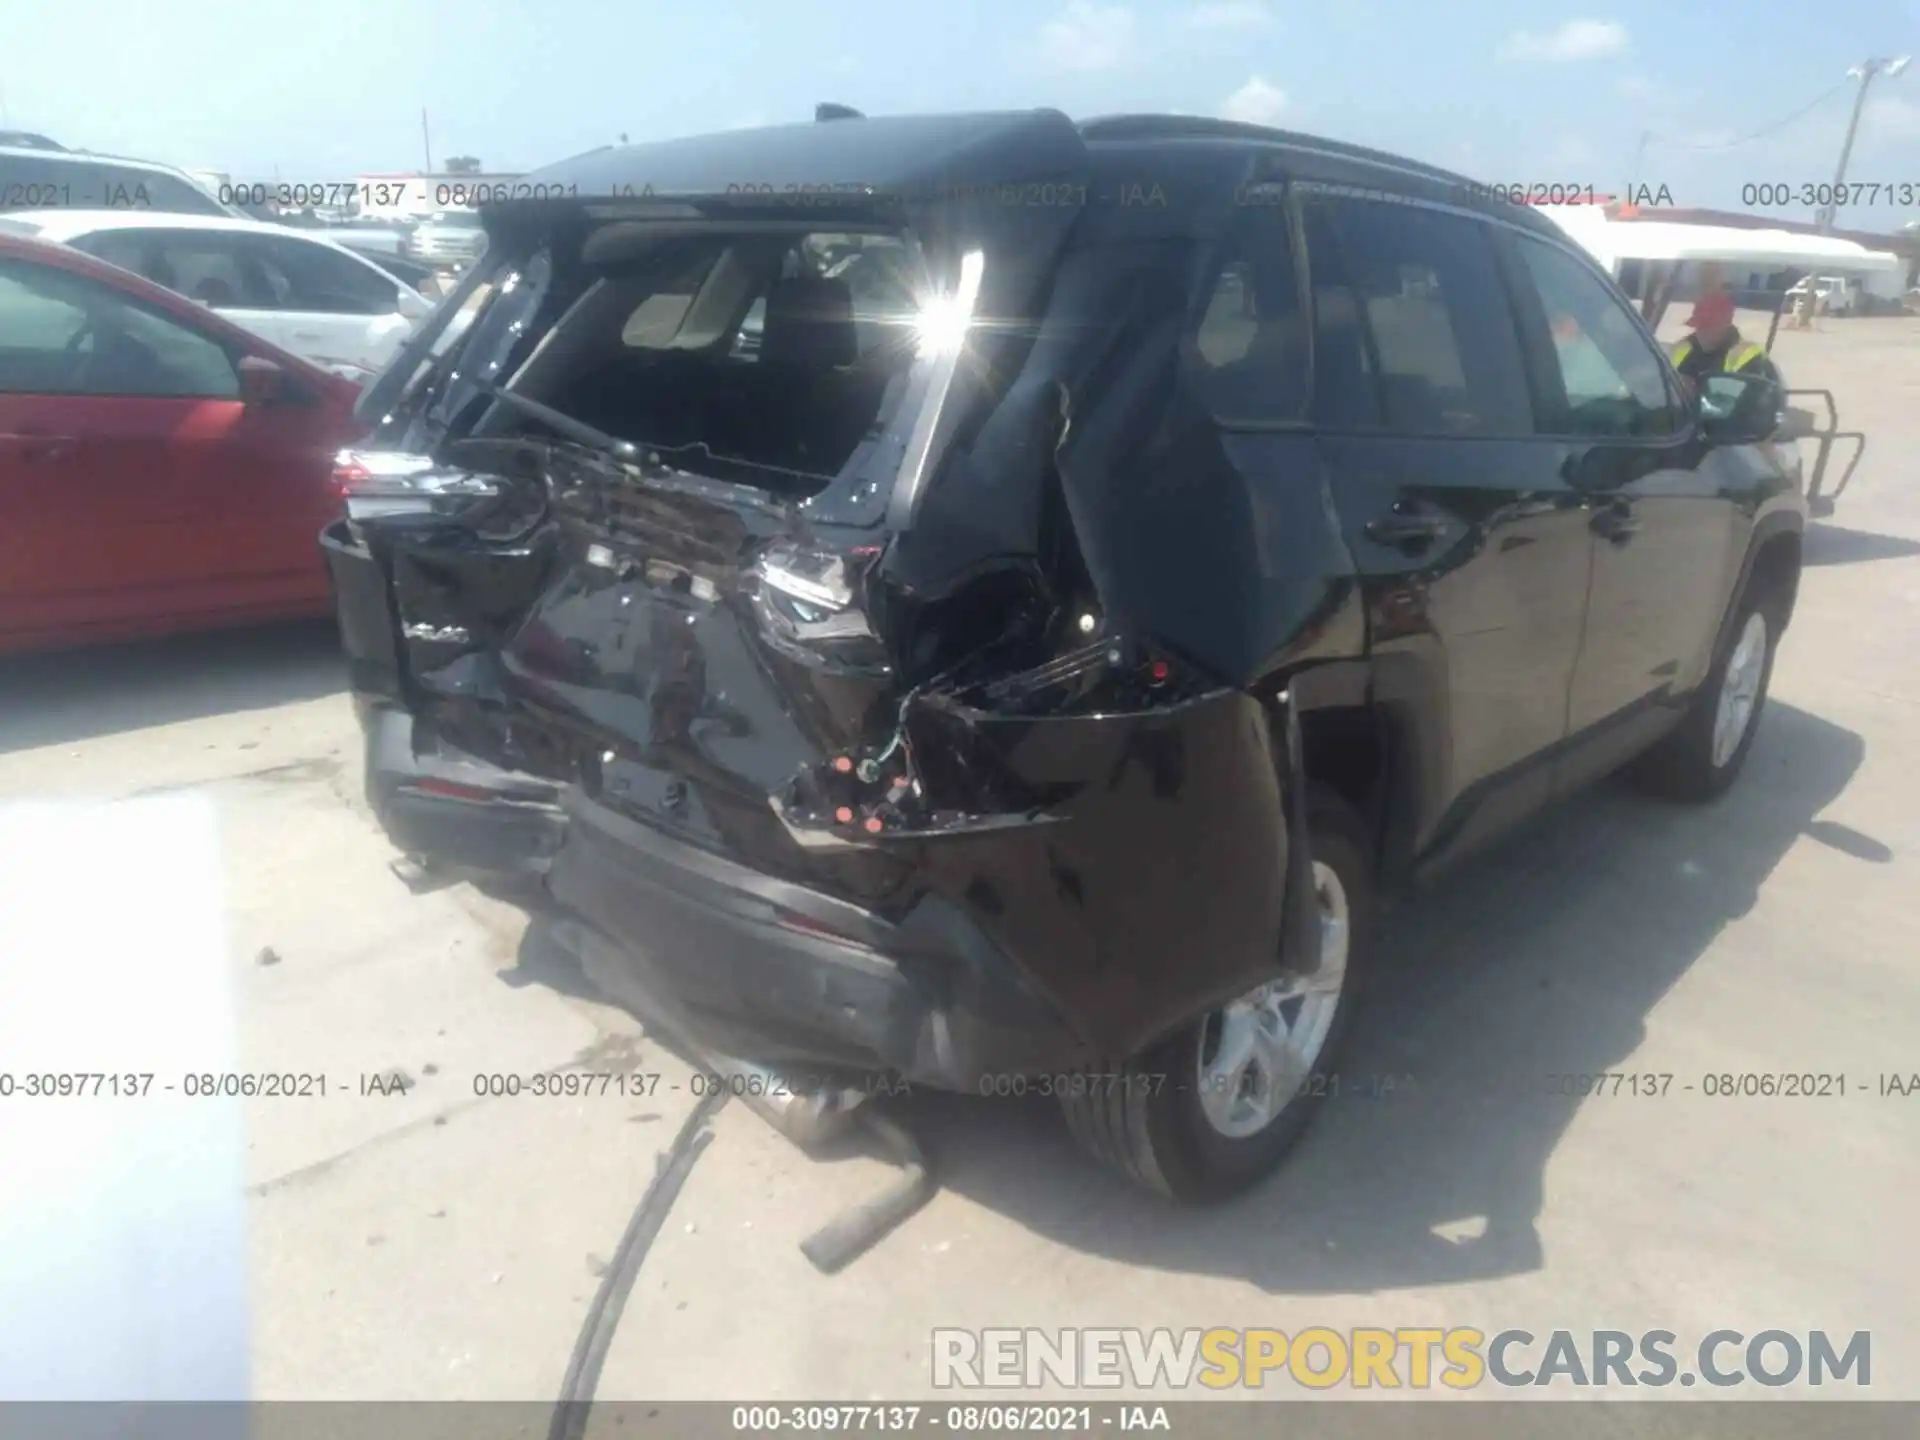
{"x": 1151, "y": 891}
{"x": 748, "y": 965}
{"x": 453, "y": 810}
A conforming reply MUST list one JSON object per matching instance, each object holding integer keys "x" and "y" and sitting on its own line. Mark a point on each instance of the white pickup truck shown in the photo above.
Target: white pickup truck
{"x": 1839, "y": 294}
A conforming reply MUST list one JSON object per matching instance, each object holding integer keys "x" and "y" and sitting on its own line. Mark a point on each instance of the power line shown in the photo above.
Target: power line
{"x": 1756, "y": 135}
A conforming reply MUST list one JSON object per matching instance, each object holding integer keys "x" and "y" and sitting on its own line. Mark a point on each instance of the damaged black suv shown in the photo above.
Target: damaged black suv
{"x": 975, "y": 598}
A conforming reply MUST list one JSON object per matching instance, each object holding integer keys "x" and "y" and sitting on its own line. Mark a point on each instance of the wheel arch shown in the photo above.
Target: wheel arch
{"x": 1771, "y": 566}
{"x": 1365, "y": 751}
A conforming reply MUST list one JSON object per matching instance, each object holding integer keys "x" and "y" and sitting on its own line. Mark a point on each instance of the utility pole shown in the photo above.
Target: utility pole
{"x": 426, "y": 142}
{"x": 1639, "y": 154}
{"x": 1864, "y": 73}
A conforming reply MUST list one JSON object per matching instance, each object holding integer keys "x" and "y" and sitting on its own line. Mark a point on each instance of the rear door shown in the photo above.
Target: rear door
{"x": 1471, "y": 545}
{"x": 1662, "y": 522}
{"x": 114, "y": 419}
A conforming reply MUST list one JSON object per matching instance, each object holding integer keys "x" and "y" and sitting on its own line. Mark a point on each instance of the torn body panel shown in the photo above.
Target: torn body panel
{"x": 1149, "y": 888}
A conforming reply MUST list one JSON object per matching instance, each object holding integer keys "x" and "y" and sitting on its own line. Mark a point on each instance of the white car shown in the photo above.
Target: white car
{"x": 296, "y": 288}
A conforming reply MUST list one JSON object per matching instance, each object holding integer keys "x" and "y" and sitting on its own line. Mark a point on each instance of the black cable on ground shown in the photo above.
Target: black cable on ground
{"x": 603, "y": 1316}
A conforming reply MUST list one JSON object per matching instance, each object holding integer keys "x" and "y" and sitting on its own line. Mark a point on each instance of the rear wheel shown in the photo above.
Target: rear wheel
{"x": 1214, "y": 1107}
{"x": 1701, "y": 758}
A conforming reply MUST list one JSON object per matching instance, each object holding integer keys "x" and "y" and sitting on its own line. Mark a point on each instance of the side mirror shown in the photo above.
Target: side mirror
{"x": 1739, "y": 409}
{"x": 413, "y": 305}
{"x": 262, "y": 381}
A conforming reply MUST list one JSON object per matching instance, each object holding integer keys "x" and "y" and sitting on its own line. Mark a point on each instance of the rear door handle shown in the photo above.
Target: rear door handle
{"x": 1407, "y": 529}
{"x": 1615, "y": 523}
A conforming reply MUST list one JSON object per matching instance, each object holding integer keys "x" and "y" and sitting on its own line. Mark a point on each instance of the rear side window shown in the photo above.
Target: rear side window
{"x": 210, "y": 268}
{"x": 1246, "y": 352}
{"x": 1613, "y": 379}
{"x": 1416, "y": 331}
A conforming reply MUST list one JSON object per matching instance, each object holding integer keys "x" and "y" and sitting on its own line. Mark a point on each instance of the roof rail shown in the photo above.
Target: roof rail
{"x": 1187, "y": 127}
{"x": 828, "y": 110}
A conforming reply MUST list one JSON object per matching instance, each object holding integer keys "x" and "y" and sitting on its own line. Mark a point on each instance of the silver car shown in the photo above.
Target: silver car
{"x": 447, "y": 238}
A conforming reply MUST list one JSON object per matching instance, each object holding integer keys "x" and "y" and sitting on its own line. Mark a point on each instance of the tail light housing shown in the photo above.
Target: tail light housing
{"x": 808, "y": 606}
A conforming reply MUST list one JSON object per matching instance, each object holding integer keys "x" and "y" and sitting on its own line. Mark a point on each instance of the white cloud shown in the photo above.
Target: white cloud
{"x": 1257, "y": 102}
{"x": 1230, "y": 15}
{"x": 1087, "y": 37}
{"x": 1575, "y": 40}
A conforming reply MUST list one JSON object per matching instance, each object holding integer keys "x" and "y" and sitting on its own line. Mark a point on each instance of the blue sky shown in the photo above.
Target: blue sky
{"x": 1502, "y": 90}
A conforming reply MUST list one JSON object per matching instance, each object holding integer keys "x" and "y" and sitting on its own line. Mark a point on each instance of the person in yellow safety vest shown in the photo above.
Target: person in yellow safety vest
{"x": 1715, "y": 346}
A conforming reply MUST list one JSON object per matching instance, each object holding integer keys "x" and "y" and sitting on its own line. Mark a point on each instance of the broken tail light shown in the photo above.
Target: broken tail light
{"x": 933, "y": 776}
{"x": 806, "y": 602}
{"x": 390, "y": 482}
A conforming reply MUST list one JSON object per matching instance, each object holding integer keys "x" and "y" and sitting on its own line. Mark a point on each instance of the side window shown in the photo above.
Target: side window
{"x": 316, "y": 278}
{"x": 37, "y": 325}
{"x": 1346, "y": 395}
{"x": 210, "y": 268}
{"x": 1246, "y": 353}
{"x": 1429, "y": 318}
{"x": 69, "y": 335}
{"x": 1613, "y": 378}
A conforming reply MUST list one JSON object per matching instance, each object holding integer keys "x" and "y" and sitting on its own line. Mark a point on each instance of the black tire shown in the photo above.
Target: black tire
{"x": 1682, "y": 766}
{"x": 1146, "y": 1119}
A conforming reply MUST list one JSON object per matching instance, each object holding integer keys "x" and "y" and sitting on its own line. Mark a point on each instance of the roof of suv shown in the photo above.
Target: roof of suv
{"x": 906, "y": 154}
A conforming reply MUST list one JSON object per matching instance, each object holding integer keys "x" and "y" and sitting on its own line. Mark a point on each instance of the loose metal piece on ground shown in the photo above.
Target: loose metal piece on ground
{"x": 807, "y": 1117}
{"x": 419, "y": 877}
{"x": 841, "y": 1241}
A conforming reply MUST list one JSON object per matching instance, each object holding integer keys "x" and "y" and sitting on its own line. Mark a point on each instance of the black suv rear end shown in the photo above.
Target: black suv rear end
{"x": 874, "y": 573}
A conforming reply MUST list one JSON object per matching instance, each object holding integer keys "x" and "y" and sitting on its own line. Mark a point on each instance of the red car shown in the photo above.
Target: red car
{"x": 160, "y": 468}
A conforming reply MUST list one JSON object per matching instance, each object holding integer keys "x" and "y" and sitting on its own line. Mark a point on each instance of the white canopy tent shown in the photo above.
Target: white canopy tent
{"x": 1613, "y": 242}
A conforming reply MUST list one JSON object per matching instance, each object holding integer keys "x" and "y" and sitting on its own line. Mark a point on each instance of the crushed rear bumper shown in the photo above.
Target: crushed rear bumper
{"x": 821, "y": 990}
{"x": 454, "y": 811}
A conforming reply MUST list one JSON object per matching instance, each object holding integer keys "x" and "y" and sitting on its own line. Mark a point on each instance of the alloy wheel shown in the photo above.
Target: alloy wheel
{"x": 1255, "y": 1051}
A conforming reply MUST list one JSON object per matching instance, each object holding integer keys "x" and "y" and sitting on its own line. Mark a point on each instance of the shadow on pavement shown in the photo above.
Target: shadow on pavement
{"x": 1837, "y": 545}
{"x": 1543, "y": 958}
{"x": 83, "y": 694}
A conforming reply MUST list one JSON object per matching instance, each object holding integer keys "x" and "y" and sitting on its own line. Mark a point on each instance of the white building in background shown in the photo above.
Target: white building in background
{"x": 413, "y": 194}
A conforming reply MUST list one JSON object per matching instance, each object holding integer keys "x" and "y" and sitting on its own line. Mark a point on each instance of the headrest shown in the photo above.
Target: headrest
{"x": 809, "y": 321}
